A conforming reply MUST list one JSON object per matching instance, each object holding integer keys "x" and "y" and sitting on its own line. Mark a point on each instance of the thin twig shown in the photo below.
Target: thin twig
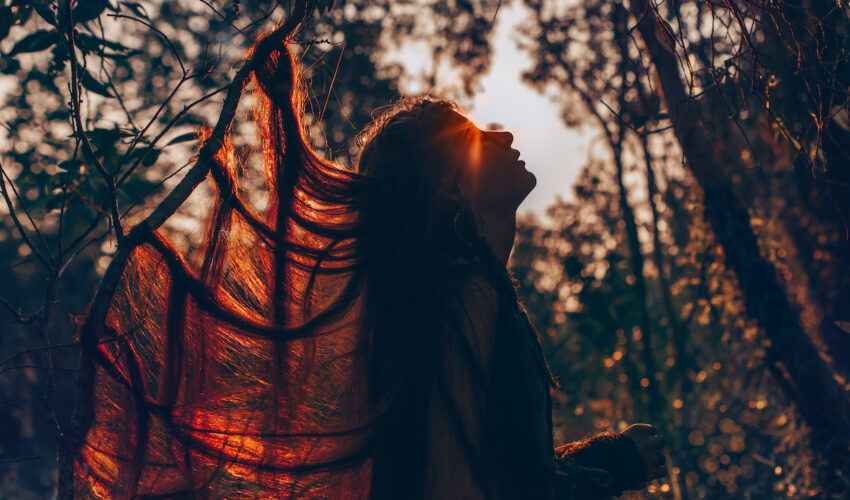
{"x": 224, "y": 18}
{"x": 160, "y": 33}
{"x": 150, "y": 123}
{"x": 19, "y": 315}
{"x": 65, "y": 186}
{"x": 38, "y": 367}
{"x": 22, "y": 459}
{"x": 168, "y": 127}
{"x": 13, "y": 213}
{"x": 80, "y": 131}
{"x": 36, "y": 349}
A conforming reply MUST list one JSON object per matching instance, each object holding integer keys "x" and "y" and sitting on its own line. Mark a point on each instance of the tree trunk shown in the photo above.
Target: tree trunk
{"x": 636, "y": 260}
{"x": 822, "y": 402}
{"x": 678, "y": 339}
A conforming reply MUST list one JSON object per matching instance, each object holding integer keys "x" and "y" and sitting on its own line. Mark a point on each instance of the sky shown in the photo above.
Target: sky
{"x": 552, "y": 152}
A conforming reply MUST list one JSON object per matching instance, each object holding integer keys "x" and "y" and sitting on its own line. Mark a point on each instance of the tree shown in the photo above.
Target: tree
{"x": 717, "y": 95}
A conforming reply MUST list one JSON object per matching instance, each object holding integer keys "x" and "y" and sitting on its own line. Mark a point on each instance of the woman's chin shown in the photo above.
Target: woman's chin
{"x": 522, "y": 188}
{"x": 510, "y": 190}
{"x": 532, "y": 181}
{"x": 528, "y": 183}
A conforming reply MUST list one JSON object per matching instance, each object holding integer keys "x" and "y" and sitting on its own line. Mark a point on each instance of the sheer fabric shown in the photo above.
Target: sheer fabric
{"x": 228, "y": 371}
{"x": 208, "y": 408}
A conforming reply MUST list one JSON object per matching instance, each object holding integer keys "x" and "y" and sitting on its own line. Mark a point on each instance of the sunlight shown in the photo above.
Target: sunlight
{"x": 552, "y": 152}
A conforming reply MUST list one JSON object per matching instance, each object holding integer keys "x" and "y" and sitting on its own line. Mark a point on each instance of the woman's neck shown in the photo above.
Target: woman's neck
{"x": 501, "y": 230}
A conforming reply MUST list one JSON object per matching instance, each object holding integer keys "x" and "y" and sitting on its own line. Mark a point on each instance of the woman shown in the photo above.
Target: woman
{"x": 360, "y": 338}
{"x": 456, "y": 189}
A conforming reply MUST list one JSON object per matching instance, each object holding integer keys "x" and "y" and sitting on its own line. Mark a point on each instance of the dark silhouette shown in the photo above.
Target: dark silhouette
{"x": 362, "y": 337}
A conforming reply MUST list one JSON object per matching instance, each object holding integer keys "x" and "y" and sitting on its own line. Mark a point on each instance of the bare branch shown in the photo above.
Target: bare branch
{"x": 80, "y": 131}
{"x": 168, "y": 127}
{"x": 24, "y": 236}
{"x": 18, "y": 314}
{"x": 65, "y": 186}
{"x": 36, "y": 349}
{"x": 22, "y": 459}
{"x": 160, "y": 33}
{"x": 142, "y": 133}
{"x": 224, "y": 18}
{"x": 38, "y": 367}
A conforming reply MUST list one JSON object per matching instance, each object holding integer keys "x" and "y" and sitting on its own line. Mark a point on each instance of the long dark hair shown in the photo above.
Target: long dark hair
{"x": 407, "y": 243}
{"x": 421, "y": 247}
{"x": 289, "y": 353}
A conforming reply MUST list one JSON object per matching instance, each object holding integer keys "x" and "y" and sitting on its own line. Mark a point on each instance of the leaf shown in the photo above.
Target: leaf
{"x": 6, "y": 21}
{"x": 88, "y": 10}
{"x": 189, "y": 136}
{"x": 59, "y": 114}
{"x": 104, "y": 136}
{"x": 137, "y": 9}
{"x": 841, "y": 117}
{"x": 54, "y": 202}
{"x": 151, "y": 157}
{"x": 44, "y": 10}
{"x": 90, "y": 83}
{"x": 324, "y": 6}
{"x": 9, "y": 66}
{"x": 35, "y": 42}
{"x": 69, "y": 164}
{"x": 89, "y": 42}
{"x": 117, "y": 56}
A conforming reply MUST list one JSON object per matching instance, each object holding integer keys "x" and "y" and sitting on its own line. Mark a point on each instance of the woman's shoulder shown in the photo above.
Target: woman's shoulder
{"x": 470, "y": 279}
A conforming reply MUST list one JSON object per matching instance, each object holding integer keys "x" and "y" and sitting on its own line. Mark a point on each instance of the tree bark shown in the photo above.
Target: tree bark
{"x": 682, "y": 361}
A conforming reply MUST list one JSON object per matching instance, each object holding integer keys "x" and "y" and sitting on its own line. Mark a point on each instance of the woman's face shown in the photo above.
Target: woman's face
{"x": 492, "y": 176}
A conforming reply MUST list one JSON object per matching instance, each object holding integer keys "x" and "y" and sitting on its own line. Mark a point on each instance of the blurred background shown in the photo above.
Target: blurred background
{"x": 684, "y": 256}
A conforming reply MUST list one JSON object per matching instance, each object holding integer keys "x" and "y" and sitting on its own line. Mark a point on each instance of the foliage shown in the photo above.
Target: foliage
{"x": 713, "y": 190}
{"x": 645, "y": 312}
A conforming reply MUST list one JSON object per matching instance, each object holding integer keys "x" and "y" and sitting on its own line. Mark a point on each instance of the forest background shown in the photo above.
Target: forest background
{"x": 697, "y": 278}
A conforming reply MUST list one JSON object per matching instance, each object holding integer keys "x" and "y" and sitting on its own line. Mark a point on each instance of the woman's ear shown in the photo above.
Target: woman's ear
{"x": 466, "y": 187}
{"x": 452, "y": 188}
{"x": 460, "y": 190}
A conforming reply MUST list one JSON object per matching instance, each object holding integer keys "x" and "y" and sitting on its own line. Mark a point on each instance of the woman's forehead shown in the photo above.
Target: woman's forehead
{"x": 458, "y": 125}
{"x": 460, "y": 120}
